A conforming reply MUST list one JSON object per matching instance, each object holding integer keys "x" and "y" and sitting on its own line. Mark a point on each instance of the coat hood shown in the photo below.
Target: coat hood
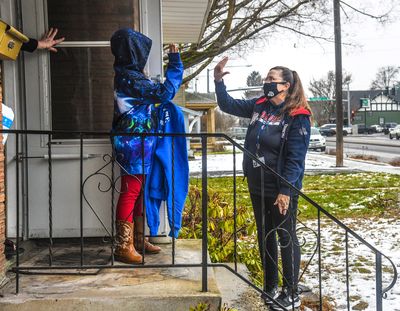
{"x": 131, "y": 50}
{"x": 296, "y": 112}
{"x": 300, "y": 111}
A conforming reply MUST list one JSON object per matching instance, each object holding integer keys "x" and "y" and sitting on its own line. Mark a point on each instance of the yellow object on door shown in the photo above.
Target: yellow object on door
{"x": 10, "y": 41}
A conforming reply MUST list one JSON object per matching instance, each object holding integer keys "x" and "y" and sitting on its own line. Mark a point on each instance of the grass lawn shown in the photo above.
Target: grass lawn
{"x": 342, "y": 195}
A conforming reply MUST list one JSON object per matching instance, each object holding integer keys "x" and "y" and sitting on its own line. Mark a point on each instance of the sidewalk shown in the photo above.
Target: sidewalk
{"x": 222, "y": 165}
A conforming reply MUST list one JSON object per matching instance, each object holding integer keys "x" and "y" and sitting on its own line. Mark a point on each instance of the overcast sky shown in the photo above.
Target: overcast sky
{"x": 374, "y": 45}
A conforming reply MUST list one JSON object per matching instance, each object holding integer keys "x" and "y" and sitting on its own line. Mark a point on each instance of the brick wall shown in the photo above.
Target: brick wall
{"x": 2, "y": 199}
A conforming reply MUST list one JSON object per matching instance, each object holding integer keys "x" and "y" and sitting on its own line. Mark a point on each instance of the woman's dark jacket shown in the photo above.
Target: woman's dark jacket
{"x": 29, "y": 46}
{"x": 282, "y": 139}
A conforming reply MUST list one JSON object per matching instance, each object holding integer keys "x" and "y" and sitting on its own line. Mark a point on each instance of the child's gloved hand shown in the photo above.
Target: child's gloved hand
{"x": 173, "y": 48}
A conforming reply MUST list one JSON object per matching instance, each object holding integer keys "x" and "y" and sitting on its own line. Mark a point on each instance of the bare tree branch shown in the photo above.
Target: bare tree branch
{"x": 378, "y": 17}
{"x": 306, "y": 34}
{"x": 323, "y": 111}
{"x": 197, "y": 71}
{"x": 386, "y": 77}
{"x": 238, "y": 24}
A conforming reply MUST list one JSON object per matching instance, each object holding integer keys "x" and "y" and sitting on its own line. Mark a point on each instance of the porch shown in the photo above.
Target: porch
{"x": 120, "y": 287}
{"x": 184, "y": 269}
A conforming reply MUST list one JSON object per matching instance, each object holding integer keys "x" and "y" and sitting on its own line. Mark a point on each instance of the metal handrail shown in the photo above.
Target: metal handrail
{"x": 381, "y": 293}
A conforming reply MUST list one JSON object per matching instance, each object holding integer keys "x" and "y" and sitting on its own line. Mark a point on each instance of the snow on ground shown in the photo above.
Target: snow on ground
{"x": 382, "y": 234}
{"x": 223, "y": 164}
{"x": 318, "y": 161}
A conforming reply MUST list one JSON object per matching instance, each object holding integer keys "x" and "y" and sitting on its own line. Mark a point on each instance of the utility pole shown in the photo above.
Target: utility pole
{"x": 208, "y": 79}
{"x": 338, "y": 86}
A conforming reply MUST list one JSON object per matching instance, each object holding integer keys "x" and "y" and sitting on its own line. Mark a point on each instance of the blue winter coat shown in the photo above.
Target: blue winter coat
{"x": 168, "y": 179}
{"x": 135, "y": 97}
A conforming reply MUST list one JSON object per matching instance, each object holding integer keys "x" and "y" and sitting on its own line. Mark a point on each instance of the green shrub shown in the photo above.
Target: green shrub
{"x": 221, "y": 230}
{"x": 343, "y": 195}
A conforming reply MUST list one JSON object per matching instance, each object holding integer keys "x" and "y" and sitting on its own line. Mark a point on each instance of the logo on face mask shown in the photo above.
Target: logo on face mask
{"x": 271, "y": 89}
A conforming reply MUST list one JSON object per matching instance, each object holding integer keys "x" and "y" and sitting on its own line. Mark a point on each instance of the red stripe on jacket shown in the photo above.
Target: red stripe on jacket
{"x": 296, "y": 112}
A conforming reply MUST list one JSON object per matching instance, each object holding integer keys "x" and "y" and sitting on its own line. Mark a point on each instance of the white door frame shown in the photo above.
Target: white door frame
{"x": 38, "y": 116}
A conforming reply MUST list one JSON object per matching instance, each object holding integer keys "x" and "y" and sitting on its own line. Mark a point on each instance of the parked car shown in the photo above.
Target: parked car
{"x": 377, "y": 128}
{"x": 317, "y": 141}
{"x": 395, "y": 132}
{"x": 328, "y": 130}
{"x": 388, "y": 126}
{"x": 362, "y": 129}
{"x": 347, "y": 130}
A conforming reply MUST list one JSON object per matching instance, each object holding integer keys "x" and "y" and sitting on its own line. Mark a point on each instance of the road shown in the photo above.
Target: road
{"x": 377, "y": 145}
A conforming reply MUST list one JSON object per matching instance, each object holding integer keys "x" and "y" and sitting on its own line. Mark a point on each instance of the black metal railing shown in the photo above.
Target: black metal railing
{"x": 112, "y": 179}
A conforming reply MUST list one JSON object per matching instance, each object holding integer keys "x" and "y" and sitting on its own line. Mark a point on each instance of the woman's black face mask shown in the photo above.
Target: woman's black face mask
{"x": 271, "y": 89}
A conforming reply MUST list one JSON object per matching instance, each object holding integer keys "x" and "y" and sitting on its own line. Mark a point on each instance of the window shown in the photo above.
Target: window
{"x": 82, "y": 89}
{"x": 91, "y": 20}
{"x": 315, "y": 131}
{"x": 82, "y": 72}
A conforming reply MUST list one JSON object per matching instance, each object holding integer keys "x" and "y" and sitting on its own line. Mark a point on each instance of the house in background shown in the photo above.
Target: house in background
{"x": 206, "y": 104}
{"x": 384, "y": 107}
{"x": 73, "y": 90}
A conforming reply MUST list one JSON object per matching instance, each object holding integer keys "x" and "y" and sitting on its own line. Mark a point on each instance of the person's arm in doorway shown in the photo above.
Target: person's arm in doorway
{"x": 48, "y": 42}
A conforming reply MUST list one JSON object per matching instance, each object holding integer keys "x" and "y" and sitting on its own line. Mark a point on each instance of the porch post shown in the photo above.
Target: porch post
{"x": 211, "y": 124}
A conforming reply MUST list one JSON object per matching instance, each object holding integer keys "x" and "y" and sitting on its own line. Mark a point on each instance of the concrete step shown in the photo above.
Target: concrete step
{"x": 167, "y": 289}
{"x": 239, "y": 295}
{"x": 236, "y": 293}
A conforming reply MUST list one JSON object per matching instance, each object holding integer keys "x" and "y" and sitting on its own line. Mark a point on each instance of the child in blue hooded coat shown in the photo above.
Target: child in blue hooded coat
{"x": 135, "y": 99}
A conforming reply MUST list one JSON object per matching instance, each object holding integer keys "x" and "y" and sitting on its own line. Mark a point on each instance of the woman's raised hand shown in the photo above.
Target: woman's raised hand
{"x": 219, "y": 72}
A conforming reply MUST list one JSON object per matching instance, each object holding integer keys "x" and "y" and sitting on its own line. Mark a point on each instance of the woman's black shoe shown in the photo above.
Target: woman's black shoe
{"x": 271, "y": 293}
{"x": 287, "y": 299}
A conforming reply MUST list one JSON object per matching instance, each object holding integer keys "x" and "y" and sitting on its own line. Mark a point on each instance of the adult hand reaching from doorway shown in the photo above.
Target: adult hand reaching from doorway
{"x": 48, "y": 40}
{"x": 219, "y": 72}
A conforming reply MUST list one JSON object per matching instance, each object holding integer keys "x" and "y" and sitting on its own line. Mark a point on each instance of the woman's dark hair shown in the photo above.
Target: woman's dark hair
{"x": 296, "y": 98}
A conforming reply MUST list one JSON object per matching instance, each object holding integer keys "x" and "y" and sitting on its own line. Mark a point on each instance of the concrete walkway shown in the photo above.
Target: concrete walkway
{"x": 167, "y": 289}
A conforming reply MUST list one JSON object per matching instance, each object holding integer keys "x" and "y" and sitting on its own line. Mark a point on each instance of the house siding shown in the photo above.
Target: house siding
{"x": 374, "y": 116}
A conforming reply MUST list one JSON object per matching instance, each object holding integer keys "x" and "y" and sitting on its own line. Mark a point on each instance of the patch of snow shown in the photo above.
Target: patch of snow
{"x": 314, "y": 162}
{"x": 383, "y": 233}
{"x": 356, "y": 206}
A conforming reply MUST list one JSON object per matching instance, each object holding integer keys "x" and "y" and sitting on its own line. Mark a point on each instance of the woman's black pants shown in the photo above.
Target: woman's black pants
{"x": 285, "y": 227}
